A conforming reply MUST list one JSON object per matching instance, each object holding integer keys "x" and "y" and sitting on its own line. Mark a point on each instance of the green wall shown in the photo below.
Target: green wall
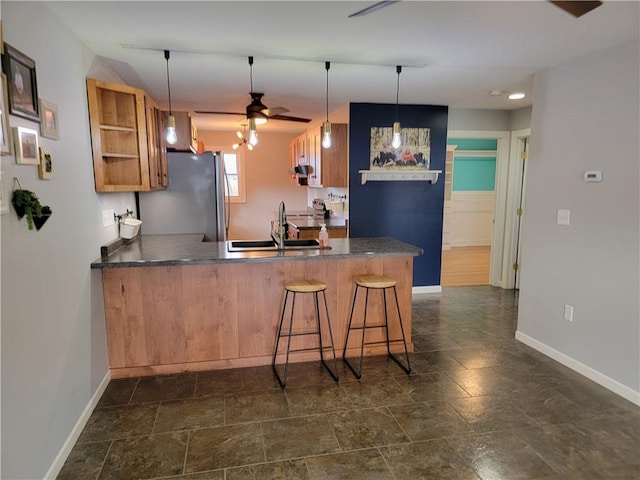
{"x": 474, "y": 173}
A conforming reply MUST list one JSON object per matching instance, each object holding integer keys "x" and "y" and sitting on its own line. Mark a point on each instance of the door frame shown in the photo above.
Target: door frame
{"x": 516, "y": 186}
{"x": 496, "y": 277}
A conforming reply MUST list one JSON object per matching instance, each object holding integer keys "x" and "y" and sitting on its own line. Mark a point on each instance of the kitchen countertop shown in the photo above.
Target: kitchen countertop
{"x": 188, "y": 249}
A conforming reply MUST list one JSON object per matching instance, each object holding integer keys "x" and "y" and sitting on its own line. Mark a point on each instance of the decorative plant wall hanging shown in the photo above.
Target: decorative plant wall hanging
{"x": 27, "y": 204}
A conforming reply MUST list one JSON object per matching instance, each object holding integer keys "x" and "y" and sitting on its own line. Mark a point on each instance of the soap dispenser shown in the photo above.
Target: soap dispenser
{"x": 323, "y": 236}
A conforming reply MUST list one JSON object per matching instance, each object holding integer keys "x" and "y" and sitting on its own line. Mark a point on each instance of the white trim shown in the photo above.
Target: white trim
{"x": 502, "y": 168}
{"x": 427, "y": 289}
{"x": 64, "y": 452}
{"x": 601, "y": 379}
{"x": 515, "y": 181}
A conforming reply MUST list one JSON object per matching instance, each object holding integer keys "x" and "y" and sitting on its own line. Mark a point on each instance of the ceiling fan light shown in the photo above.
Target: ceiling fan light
{"x": 249, "y": 147}
{"x": 235, "y": 146}
{"x": 396, "y": 140}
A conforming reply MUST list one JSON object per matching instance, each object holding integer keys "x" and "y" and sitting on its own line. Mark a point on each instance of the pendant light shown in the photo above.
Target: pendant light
{"x": 396, "y": 139}
{"x": 326, "y": 126}
{"x": 243, "y": 140}
{"x": 253, "y": 133}
{"x": 171, "y": 136}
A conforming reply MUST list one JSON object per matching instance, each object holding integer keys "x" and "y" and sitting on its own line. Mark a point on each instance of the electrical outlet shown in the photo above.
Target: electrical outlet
{"x": 568, "y": 313}
{"x": 564, "y": 217}
{"x": 112, "y": 217}
{"x": 105, "y": 218}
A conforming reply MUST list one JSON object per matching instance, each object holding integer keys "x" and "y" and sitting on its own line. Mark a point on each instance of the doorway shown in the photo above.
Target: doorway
{"x": 469, "y": 206}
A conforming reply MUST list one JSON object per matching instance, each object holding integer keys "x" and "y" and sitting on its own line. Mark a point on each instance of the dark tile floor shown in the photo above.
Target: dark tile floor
{"x": 479, "y": 405}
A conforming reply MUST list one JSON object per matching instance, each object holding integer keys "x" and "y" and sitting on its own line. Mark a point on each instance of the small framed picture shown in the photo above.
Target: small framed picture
{"x": 26, "y": 143}
{"x": 49, "y": 120}
{"x": 45, "y": 167}
{"x": 4, "y": 203}
{"x": 6, "y": 143}
{"x": 23, "y": 87}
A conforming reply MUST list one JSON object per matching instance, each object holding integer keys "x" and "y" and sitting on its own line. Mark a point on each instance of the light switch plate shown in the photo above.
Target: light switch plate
{"x": 564, "y": 217}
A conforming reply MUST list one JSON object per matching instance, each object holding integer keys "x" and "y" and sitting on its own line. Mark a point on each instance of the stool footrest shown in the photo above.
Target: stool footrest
{"x": 307, "y": 349}
{"x": 298, "y": 334}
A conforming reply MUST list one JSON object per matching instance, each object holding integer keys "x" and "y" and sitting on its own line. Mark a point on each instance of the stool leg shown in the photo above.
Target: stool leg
{"x": 406, "y": 368}
{"x": 333, "y": 374}
{"x": 283, "y": 381}
{"x": 275, "y": 350}
{"x": 346, "y": 340}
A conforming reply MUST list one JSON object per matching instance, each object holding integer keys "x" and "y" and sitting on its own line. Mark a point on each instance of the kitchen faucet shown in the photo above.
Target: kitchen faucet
{"x": 282, "y": 218}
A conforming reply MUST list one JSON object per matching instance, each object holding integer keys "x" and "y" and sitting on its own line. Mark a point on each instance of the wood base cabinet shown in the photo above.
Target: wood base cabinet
{"x": 199, "y": 317}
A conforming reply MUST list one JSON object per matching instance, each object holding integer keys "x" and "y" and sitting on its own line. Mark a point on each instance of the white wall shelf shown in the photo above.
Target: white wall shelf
{"x": 430, "y": 176}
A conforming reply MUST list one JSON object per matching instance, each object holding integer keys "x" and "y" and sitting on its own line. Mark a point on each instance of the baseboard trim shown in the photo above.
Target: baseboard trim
{"x": 64, "y": 452}
{"x": 601, "y": 379}
{"x": 427, "y": 289}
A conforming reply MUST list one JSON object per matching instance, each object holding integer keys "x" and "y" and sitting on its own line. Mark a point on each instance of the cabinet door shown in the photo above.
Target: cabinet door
{"x": 156, "y": 146}
{"x": 334, "y": 159}
{"x": 315, "y": 176}
{"x": 118, "y": 137}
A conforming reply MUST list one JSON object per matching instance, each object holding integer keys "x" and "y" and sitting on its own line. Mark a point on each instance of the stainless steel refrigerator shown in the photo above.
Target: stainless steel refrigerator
{"x": 194, "y": 200}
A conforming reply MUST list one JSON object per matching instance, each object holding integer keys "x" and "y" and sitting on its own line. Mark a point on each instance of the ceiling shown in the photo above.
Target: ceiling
{"x": 453, "y": 53}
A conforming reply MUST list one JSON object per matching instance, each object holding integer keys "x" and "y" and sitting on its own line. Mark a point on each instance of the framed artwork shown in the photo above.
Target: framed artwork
{"x": 413, "y": 154}
{"x": 6, "y": 142}
{"x": 45, "y": 167}
{"x": 26, "y": 143}
{"x": 22, "y": 85}
{"x": 49, "y": 120}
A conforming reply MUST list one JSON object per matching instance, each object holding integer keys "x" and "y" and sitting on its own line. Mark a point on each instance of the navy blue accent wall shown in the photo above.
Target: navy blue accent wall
{"x": 409, "y": 211}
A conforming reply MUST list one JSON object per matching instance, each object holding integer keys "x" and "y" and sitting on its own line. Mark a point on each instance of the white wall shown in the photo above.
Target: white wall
{"x": 53, "y": 351}
{"x": 478, "y": 119}
{"x": 585, "y": 117}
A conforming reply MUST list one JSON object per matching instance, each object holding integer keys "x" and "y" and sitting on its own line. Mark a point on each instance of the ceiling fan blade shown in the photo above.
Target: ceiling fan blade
{"x": 211, "y": 112}
{"x": 577, "y": 8}
{"x": 275, "y": 111}
{"x": 287, "y": 118}
{"x": 373, "y": 8}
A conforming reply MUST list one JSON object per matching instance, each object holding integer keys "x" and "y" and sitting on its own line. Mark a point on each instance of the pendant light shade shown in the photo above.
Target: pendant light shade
{"x": 170, "y": 134}
{"x": 396, "y": 139}
{"x": 253, "y": 133}
{"x": 326, "y": 126}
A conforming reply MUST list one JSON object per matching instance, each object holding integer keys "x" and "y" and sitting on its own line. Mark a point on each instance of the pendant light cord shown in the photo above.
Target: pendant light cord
{"x": 166, "y": 57}
{"x": 327, "y": 66}
{"x": 251, "y": 73}
{"x": 398, "y": 70}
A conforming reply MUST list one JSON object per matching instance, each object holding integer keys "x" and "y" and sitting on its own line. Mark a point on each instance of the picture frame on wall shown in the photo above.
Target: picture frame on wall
{"x": 22, "y": 84}
{"x": 6, "y": 142}
{"x": 49, "y": 120}
{"x": 26, "y": 144}
{"x": 45, "y": 167}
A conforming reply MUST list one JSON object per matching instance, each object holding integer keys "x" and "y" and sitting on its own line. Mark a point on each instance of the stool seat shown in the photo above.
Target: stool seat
{"x": 305, "y": 286}
{"x": 375, "y": 281}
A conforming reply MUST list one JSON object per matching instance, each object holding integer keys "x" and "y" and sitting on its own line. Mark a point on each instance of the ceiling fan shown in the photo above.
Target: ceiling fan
{"x": 258, "y": 110}
{"x": 577, "y": 8}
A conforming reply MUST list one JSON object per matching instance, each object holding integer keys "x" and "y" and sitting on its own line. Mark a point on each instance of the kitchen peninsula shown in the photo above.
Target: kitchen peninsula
{"x": 174, "y": 303}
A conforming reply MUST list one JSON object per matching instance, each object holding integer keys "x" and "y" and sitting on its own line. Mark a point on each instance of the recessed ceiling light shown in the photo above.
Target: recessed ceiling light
{"x": 516, "y": 96}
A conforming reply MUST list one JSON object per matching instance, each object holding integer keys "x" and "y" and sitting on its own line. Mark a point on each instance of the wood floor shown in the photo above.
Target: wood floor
{"x": 462, "y": 266}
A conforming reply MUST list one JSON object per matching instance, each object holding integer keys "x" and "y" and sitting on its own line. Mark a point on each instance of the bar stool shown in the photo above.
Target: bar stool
{"x": 304, "y": 286}
{"x": 376, "y": 282}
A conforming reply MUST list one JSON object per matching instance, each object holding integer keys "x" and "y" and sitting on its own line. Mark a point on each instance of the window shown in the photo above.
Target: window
{"x": 234, "y": 178}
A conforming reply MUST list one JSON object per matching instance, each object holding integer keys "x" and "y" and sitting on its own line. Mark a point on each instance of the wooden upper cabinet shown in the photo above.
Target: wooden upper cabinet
{"x": 330, "y": 165}
{"x": 123, "y": 138}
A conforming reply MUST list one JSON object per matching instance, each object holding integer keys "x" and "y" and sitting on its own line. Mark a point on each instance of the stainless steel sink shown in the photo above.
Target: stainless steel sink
{"x": 270, "y": 245}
